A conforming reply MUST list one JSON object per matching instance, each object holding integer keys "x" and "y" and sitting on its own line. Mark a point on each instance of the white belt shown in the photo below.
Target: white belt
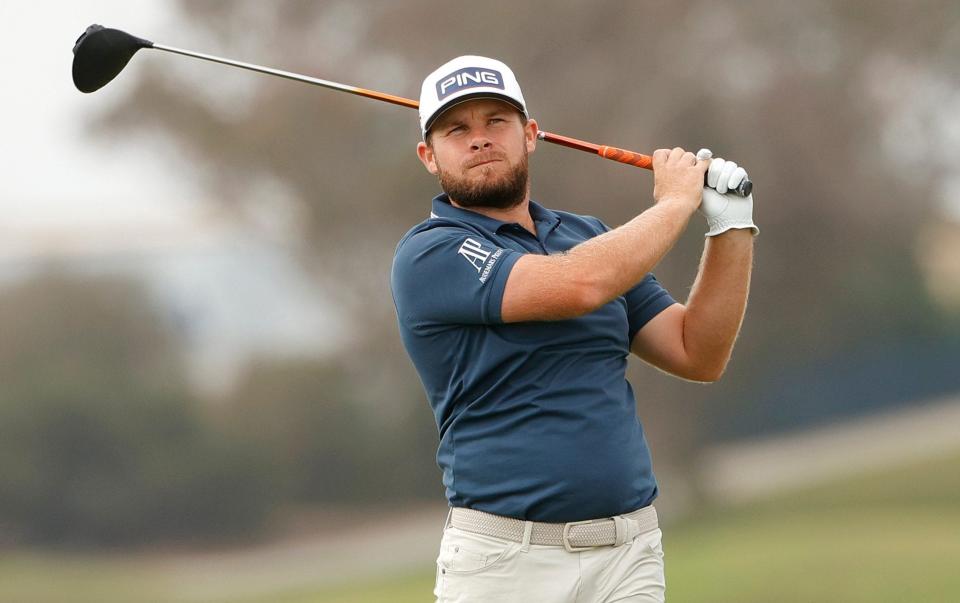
{"x": 573, "y": 536}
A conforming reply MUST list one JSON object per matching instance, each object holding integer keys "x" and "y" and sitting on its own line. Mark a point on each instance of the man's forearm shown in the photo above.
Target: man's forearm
{"x": 613, "y": 262}
{"x": 715, "y": 308}
{"x": 562, "y": 286}
{"x": 575, "y": 283}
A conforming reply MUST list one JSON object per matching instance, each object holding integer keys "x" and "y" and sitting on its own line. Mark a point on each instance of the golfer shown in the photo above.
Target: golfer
{"x": 519, "y": 320}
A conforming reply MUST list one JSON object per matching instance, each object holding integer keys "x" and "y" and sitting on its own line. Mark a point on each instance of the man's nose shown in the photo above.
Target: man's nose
{"x": 480, "y": 143}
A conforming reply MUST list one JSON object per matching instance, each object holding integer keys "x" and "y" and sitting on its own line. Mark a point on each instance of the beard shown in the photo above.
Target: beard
{"x": 504, "y": 192}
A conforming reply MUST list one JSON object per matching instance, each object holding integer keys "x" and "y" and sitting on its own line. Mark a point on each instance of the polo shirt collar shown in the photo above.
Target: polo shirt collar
{"x": 443, "y": 209}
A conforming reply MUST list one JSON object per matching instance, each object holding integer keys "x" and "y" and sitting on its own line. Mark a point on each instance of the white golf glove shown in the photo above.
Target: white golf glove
{"x": 725, "y": 211}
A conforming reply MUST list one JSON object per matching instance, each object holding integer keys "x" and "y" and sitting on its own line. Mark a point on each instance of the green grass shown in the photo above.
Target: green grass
{"x": 887, "y": 536}
{"x": 56, "y": 578}
{"x": 416, "y": 588}
{"x": 846, "y": 555}
{"x": 892, "y": 536}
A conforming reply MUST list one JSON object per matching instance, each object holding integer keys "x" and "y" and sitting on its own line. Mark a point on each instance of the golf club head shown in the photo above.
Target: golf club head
{"x": 100, "y": 54}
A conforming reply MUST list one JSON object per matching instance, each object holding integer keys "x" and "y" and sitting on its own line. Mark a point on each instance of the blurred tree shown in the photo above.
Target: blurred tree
{"x": 301, "y": 414}
{"x": 805, "y": 95}
{"x": 325, "y": 443}
{"x": 100, "y": 440}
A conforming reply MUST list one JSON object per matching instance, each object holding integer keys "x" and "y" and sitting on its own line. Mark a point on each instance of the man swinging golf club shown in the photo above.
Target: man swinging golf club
{"x": 519, "y": 320}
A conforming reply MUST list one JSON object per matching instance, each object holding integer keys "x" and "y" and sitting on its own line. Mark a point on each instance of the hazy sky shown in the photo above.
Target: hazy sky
{"x": 111, "y": 207}
{"x": 54, "y": 173}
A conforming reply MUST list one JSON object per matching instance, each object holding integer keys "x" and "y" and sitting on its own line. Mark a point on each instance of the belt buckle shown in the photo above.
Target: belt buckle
{"x": 566, "y": 535}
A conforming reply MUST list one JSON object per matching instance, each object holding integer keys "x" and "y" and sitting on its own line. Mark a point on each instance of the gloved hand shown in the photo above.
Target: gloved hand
{"x": 725, "y": 211}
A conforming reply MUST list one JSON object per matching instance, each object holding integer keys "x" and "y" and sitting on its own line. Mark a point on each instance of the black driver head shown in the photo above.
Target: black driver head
{"x": 100, "y": 54}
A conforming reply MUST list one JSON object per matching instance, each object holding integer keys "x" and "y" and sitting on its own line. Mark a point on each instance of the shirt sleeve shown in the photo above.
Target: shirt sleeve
{"x": 450, "y": 275}
{"x": 644, "y": 301}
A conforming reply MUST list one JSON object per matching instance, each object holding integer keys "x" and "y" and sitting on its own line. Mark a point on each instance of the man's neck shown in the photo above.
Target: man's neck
{"x": 519, "y": 213}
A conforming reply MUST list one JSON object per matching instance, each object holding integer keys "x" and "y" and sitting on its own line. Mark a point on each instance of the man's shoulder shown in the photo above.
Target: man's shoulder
{"x": 433, "y": 230}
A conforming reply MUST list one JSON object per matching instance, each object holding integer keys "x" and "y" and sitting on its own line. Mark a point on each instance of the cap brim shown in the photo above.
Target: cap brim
{"x": 469, "y": 97}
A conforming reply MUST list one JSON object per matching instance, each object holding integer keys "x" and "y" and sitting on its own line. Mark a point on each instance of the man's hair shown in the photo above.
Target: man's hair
{"x": 429, "y": 139}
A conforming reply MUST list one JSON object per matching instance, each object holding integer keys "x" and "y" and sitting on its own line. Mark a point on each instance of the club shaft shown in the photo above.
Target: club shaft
{"x": 607, "y": 152}
{"x": 397, "y": 100}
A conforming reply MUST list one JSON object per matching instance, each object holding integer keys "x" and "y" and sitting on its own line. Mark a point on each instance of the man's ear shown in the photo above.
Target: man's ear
{"x": 530, "y": 131}
{"x": 427, "y": 158}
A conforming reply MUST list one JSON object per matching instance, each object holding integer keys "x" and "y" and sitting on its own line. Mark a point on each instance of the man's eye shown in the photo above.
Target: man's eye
{"x": 495, "y": 120}
{"x": 455, "y": 130}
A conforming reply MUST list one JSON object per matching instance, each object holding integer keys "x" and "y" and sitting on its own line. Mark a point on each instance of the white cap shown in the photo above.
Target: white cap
{"x": 466, "y": 78}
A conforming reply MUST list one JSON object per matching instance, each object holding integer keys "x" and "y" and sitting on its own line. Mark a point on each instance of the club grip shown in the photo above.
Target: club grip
{"x": 625, "y": 156}
{"x": 646, "y": 162}
{"x": 743, "y": 190}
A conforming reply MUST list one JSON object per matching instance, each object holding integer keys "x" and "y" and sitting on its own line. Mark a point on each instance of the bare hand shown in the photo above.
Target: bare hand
{"x": 678, "y": 175}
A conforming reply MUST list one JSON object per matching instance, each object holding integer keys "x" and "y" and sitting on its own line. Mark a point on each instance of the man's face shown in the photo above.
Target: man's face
{"x": 478, "y": 150}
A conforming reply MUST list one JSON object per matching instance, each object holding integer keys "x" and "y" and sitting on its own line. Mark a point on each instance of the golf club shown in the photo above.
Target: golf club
{"x": 101, "y": 53}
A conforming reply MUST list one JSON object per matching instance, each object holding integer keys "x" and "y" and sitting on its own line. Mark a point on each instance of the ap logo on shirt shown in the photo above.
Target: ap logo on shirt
{"x": 481, "y": 259}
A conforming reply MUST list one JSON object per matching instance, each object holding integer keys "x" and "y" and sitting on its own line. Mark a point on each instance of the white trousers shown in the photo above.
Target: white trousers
{"x": 474, "y": 568}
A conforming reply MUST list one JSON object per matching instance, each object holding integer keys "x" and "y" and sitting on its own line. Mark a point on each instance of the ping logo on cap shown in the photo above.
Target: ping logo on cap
{"x": 468, "y": 77}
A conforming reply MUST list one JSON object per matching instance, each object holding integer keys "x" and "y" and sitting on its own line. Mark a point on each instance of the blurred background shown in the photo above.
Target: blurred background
{"x": 203, "y": 396}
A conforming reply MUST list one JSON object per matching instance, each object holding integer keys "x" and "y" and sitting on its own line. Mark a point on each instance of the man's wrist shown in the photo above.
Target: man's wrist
{"x": 744, "y": 232}
{"x": 679, "y": 200}
{"x": 720, "y": 227}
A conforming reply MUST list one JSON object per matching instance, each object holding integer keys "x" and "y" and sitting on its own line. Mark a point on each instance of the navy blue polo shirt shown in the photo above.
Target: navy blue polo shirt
{"x": 537, "y": 420}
